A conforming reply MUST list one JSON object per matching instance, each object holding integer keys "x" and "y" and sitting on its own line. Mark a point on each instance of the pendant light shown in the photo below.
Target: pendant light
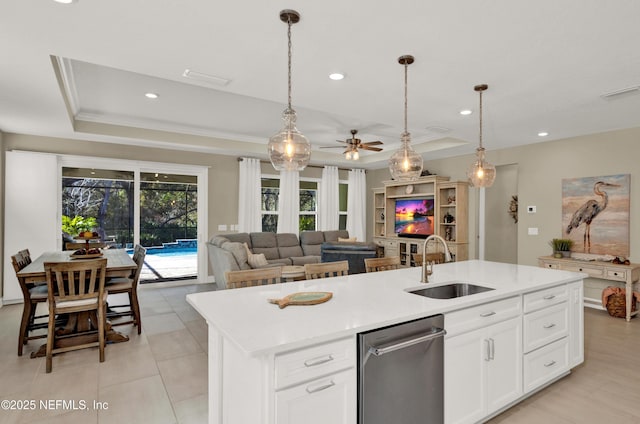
{"x": 481, "y": 173}
{"x": 405, "y": 164}
{"x": 289, "y": 149}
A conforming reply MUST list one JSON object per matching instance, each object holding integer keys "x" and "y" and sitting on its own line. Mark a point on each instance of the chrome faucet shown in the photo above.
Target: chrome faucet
{"x": 447, "y": 257}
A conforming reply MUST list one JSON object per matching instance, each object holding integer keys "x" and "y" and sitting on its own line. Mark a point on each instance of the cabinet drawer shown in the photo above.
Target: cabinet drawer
{"x": 550, "y": 265}
{"x": 545, "y": 326}
{"x": 480, "y": 316}
{"x": 545, "y": 364}
{"x": 302, "y": 365}
{"x": 593, "y": 271}
{"x": 616, "y": 274}
{"x": 543, "y": 298}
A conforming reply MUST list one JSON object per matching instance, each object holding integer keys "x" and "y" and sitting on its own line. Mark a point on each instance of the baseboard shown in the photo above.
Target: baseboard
{"x": 593, "y": 303}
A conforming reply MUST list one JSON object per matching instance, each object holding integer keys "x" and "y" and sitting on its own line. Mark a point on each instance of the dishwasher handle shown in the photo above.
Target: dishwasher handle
{"x": 379, "y": 351}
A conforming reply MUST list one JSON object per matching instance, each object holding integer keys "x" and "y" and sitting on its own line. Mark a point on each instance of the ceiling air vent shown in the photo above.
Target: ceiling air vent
{"x": 209, "y": 79}
{"x": 612, "y": 95}
{"x": 438, "y": 130}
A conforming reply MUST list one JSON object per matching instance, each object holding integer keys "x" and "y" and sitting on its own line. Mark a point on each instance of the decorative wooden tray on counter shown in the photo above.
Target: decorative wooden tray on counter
{"x": 302, "y": 298}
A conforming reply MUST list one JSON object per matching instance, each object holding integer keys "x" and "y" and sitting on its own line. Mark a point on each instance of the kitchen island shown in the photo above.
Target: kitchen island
{"x": 298, "y": 364}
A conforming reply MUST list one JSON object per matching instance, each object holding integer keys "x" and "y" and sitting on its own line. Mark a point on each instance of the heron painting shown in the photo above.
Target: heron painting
{"x": 595, "y": 214}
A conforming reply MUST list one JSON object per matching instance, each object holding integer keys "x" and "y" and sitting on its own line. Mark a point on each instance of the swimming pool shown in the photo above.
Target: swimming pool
{"x": 171, "y": 252}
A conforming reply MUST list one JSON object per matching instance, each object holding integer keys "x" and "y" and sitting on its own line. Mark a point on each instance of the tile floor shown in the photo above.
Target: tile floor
{"x": 158, "y": 377}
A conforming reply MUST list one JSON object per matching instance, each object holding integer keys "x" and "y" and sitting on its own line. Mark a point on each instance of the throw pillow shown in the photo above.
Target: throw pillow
{"x": 239, "y": 253}
{"x": 347, "y": 239}
{"x": 257, "y": 260}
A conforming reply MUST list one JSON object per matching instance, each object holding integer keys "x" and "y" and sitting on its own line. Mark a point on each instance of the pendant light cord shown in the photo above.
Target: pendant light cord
{"x": 289, "y": 66}
{"x": 481, "y": 119}
{"x": 406, "y": 65}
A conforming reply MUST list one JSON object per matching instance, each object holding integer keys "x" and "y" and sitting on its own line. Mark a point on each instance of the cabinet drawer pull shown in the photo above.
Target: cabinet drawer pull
{"x": 487, "y": 356}
{"x": 549, "y": 297}
{"x": 615, "y": 273}
{"x": 492, "y": 349}
{"x": 324, "y": 386}
{"x": 487, "y": 314}
{"x": 549, "y": 325}
{"x": 318, "y": 361}
{"x": 550, "y": 364}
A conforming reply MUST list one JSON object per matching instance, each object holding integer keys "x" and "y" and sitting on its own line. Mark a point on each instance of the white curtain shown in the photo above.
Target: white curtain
{"x": 356, "y": 204}
{"x": 328, "y": 199}
{"x": 249, "y": 191}
{"x": 289, "y": 202}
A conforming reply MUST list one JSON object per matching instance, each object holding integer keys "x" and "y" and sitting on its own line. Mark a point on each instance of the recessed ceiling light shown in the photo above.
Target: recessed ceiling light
{"x": 151, "y": 95}
{"x": 543, "y": 134}
{"x": 336, "y": 76}
{"x": 465, "y": 112}
{"x": 65, "y": 1}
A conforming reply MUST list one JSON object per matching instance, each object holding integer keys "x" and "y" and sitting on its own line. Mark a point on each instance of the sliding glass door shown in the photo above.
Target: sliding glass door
{"x": 158, "y": 207}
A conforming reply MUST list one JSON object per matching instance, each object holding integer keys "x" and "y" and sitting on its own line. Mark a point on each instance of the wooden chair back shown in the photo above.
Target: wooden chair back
{"x": 326, "y": 269}
{"x": 74, "y": 285}
{"x": 139, "y": 254}
{"x": 71, "y": 245}
{"x": 253, "y": 277}
{"x": 381, "y": 264}
{"x": 436, "y": 258}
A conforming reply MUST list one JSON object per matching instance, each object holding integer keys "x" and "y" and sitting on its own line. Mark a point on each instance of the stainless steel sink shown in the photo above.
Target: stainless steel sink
{"x": 451, "y": 291}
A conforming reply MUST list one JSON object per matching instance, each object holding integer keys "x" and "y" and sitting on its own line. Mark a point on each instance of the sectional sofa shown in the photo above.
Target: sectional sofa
{"x": 227, "y": 252}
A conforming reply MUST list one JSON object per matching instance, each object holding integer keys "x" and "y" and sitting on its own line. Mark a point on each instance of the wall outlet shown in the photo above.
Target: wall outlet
{"x": 533, "y": 231}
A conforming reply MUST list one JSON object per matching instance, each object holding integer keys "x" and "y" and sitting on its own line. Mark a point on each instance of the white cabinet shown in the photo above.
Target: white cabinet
{"x": 483, "y": 367}
{"x": 331, "y": 399}
{"x": 316, "y": 384}
{"x": 576, "y": 324}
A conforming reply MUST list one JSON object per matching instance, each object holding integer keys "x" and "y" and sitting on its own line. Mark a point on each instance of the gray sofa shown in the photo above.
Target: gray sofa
{"x": 227, "y": 251}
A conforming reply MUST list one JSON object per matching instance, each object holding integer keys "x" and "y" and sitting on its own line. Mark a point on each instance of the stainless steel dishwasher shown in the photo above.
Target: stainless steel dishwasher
{"x": 401, "y": 373}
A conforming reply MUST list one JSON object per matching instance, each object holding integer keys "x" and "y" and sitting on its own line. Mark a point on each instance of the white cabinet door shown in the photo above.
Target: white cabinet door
{"x": 483, "y": 371}
{"x": 464, "y": 377}
{"x": 576, "y": 324}
{"x": 504, "y": 369}
{"x": 331, "y": 399}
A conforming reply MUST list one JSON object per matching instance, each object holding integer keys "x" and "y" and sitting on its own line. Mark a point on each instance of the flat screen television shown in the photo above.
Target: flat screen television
{"x": 414, "y": 217}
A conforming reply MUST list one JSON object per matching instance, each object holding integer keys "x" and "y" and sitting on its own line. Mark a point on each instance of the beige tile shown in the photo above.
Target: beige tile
{"x": 127, "y": 365}
{"x": 163, "y": 323}
{"x": 153, "y": 307}
{"x": 89, "y": 416}
{"x": 192, "y": 411}
{"x": 185, "y": 377}
{"x": 186, "y": 313}
{"x": 200, "y": 332}
{"x": 173, "y": 344}
{"x": 142, "y": 401}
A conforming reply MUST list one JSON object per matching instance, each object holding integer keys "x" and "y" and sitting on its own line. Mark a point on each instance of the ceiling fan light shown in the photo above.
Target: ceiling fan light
{"x": 355, "y": 155}
{"x": 347, "y": 155}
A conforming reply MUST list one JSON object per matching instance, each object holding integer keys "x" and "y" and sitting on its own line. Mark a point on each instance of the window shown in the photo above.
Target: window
{"x": 308, "y": 205}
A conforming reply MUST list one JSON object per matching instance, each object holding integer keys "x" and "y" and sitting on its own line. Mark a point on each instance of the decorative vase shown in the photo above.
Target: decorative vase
{"x": 557, "y": 254}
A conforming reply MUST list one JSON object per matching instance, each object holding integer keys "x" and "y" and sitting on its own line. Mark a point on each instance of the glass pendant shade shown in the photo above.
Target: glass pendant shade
{"x": 289, "y": 149}
{"x": 481, "y": 173}
{"x": 405, "y": 164}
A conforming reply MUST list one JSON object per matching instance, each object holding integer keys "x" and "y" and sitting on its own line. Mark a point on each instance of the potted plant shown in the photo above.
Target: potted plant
{"x": 561, "y": 247}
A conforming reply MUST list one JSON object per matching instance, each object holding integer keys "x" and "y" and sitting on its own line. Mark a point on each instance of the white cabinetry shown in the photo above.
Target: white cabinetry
{"x": 483, "y": 360}
{"x": 546, "y": 335}
{"x": 317, "y": 384}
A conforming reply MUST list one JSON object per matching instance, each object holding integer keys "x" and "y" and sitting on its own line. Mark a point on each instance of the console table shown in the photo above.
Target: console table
{"x": 628, "y": 274}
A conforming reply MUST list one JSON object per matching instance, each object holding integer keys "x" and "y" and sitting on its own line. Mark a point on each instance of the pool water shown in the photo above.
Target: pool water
{"x": 162, "y": 252}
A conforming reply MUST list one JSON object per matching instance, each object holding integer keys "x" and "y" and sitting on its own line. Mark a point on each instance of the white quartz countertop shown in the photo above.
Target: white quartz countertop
{"x": 360, "y": 302}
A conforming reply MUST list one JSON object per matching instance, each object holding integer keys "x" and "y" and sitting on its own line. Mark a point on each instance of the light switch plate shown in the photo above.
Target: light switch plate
{"x": 222, "y": 227}
{"x": 533, "y": 231}
{"x": 531, "y": 209}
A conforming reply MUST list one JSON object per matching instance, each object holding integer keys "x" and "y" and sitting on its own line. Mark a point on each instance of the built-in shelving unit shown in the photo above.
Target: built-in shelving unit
{"x": 450, "y": 216}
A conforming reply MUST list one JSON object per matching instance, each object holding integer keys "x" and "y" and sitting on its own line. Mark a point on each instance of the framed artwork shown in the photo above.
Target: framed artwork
{"x": 595, "y": 214}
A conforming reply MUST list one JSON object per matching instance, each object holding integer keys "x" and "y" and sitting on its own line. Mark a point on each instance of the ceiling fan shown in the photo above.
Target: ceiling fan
{"x": 353, "y": 144}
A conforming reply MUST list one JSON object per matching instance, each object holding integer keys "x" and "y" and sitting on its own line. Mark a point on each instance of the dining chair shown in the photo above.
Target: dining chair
{"x": 32, "y": 294}
{"x": 253, "y": 277}
{"x": 326, "y": 269}
{"x": 436, "y": 258}
{"x": 75, "y": 288}
{"x": 128, "y": 285}
{"x": 381, "y": 264}
{"x": 72, "y": 245}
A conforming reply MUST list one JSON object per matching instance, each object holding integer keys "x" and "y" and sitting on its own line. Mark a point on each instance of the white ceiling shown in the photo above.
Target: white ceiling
{"x": 546, "y": 62}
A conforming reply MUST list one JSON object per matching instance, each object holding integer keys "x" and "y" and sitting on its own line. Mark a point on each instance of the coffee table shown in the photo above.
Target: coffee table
{"x": 292, "y": 273}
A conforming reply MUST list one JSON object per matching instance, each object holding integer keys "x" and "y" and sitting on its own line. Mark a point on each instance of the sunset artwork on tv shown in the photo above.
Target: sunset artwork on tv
{"x": 414, "y": 216}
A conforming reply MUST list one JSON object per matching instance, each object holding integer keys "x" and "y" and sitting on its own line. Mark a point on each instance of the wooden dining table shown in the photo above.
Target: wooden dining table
{"x": 79, "y": 328}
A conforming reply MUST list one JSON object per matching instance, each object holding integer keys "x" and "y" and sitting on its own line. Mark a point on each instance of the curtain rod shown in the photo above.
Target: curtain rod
{"x": 308, "y": 166}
